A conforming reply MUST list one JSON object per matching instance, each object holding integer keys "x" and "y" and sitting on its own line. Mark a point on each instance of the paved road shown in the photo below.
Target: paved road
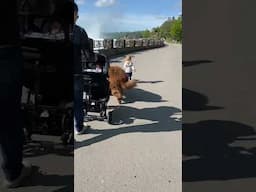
{"x": 143, "y": 153}
{"x": 219, "y": 130}
{"x": 52, "y": 163}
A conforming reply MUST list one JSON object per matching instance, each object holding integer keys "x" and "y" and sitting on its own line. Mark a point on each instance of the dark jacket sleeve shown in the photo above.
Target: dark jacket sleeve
{"x": 85, "y": 44}
{"x": 81, "y": 42}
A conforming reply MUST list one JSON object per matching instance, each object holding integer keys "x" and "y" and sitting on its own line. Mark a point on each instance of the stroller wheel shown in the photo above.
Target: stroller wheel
{"x": 71, "y": 139}
{"x": 109, "y": 117}
{"x": 27, "y": 135}
{"x": 66, "y": 126}
{"x": 67, "y": 121}
{"x": 67, "y": 138}
{"x": 64, "y": 138}
{"x": 103, "y": 114}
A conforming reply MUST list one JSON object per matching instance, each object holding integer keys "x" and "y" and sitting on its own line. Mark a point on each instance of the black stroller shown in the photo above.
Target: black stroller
{"x": 48, "y": 94}
{"x": 45, "y": 31}
{"x": 96, "y": 88}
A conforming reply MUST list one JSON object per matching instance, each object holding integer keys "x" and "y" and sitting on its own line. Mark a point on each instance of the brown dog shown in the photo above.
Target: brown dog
{"x": 118, "y": 82}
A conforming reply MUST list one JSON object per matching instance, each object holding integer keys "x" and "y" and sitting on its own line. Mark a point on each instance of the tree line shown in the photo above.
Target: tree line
{"x": 170, "y": 30}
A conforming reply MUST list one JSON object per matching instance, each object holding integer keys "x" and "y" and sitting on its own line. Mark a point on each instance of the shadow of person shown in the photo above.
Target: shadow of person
{"x": 136, "y": 95}
{"x": 156, "y": 114}
{"x": 210, "y": 152}
{"x": 161, "y": 120}
{"x": 40, "y": 179}
{"x": 193, "y": 101}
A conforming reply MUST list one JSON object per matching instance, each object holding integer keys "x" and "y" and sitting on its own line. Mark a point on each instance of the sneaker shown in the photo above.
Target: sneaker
{"x": 83, "y": 131}
{"x": 25, "y": 173}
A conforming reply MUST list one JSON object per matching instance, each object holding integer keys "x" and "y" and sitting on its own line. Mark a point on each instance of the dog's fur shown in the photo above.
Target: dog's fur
{"x": 118, "y": 82}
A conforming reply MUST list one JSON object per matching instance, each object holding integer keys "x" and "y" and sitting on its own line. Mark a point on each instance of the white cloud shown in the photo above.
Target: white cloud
{"x": 104, "y": 3}
{"x": 80, "y": 2}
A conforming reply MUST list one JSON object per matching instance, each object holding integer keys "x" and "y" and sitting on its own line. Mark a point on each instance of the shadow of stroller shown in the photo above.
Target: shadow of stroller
{"x": 161, "y": 118}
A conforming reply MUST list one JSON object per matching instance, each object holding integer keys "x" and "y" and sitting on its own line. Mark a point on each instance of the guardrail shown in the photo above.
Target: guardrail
{"x": 112, "y": 47}
{"x": 125, "y": 43}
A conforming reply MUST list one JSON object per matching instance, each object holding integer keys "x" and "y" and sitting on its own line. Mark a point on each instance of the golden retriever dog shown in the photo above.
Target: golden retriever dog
{"x": 118, "y": 82}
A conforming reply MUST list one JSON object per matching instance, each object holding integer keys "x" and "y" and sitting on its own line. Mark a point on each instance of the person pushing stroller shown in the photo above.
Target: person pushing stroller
{"x": 81, "y": 43}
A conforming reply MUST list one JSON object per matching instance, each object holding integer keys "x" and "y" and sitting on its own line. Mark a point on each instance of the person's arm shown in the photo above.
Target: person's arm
{"x": 133, "y": 67}
{"x": 125, "y": 64}
{"x": 87, "y": 44}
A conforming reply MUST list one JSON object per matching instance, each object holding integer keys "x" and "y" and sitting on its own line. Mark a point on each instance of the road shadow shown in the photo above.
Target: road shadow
{"x": 136, "y": 52}
{"x": 40, "y": 148}
{"x": 161, "y": 117}
{"x": 193, "y": 101}
{"x": 152, "y": 82}
{"x": 116, "y": 61}
{"x": 137, "y": 95}
{"x": 195, "y": 62}
{"x": 38, "y": 178}
{"x": 218, "y": 150}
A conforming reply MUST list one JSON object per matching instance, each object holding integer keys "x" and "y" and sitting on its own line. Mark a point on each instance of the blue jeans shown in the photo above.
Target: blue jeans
{"x": 11, "y": 131}
{"x": 78, "y": 103}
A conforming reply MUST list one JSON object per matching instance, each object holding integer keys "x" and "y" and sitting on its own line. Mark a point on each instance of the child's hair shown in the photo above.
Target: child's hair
{"x": 128, "y": 58}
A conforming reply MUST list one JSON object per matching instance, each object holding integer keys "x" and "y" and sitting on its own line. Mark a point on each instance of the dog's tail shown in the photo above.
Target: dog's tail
{"x": 129, "y": 84}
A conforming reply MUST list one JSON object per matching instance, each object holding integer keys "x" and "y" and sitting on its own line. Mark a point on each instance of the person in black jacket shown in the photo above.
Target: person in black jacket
{"x": 11, "y": 75}
{"x": 81, "y": 46}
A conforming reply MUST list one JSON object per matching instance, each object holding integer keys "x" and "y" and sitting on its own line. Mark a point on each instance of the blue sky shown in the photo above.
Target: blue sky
{"x": 98, "y": 16}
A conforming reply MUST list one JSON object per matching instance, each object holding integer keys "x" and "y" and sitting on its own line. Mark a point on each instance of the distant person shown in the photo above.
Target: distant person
{"x": 11, "y": 76}
{"x": 129, "y": 67}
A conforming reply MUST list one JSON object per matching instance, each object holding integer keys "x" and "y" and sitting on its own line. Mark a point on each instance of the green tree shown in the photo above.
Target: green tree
{"x": 176, "y": 29}
{"x": 165, "y": 29}
{"x": 171, "y": 29}
{"x": 146, "y": 34}
{"x": 156, "y": 32}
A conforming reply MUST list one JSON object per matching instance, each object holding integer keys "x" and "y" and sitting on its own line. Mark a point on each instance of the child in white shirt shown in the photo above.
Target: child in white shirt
{"x": 129, "y": 67}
